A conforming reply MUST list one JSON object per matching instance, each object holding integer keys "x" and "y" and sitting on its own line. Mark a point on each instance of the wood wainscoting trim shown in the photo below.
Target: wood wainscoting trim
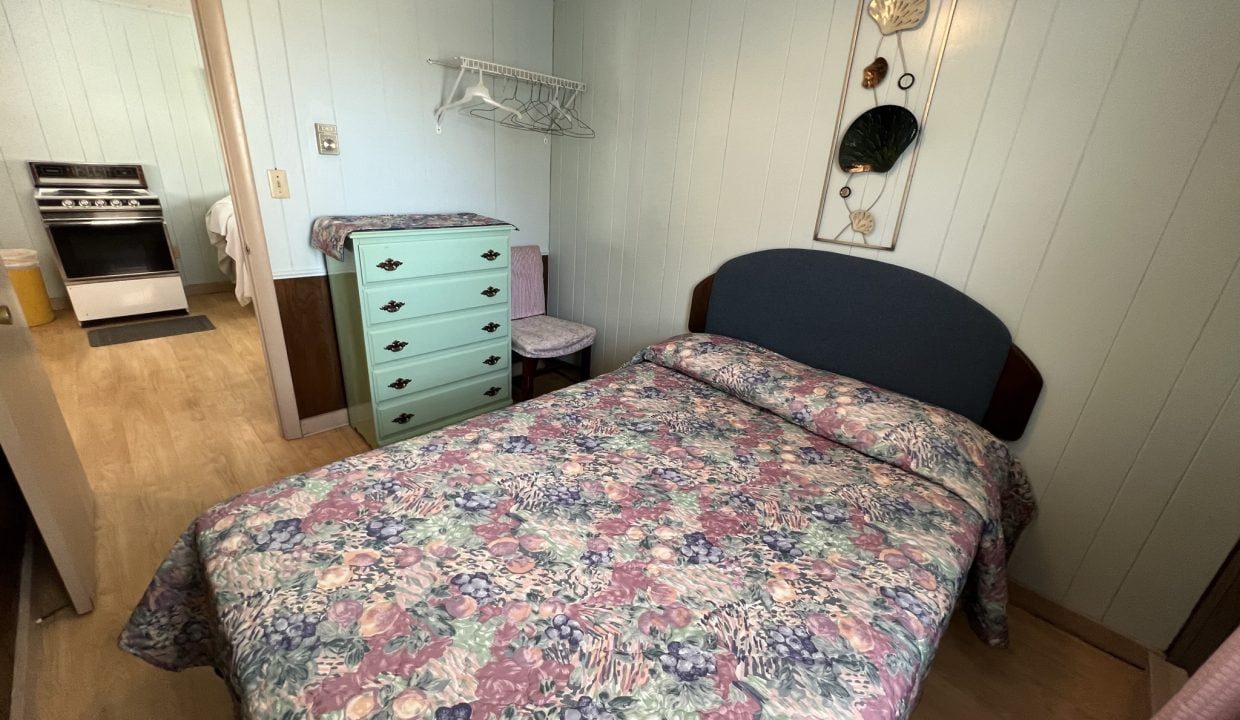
{"x": 310, "y": 337}
{"x": 1087, "y": 629}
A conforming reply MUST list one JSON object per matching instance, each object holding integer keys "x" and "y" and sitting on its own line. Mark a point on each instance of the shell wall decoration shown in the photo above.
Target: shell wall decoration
{"x": 892, "y": 16}
{"x": 897, "y": 48}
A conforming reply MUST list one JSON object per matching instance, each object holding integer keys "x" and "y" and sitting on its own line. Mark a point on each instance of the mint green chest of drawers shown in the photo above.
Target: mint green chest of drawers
{"x": 422, "y": 322}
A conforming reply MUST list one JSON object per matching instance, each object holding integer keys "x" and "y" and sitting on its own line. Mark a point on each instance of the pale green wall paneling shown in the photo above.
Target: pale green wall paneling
{"x": 361, "y": 64}
{"x": 92, "y": 81}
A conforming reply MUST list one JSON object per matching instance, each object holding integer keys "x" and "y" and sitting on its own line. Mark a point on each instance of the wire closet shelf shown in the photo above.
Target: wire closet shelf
{"x": 534, "y": 101}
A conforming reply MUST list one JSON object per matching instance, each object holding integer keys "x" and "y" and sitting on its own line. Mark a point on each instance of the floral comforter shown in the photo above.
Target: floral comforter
{"x": 713, "y": 531}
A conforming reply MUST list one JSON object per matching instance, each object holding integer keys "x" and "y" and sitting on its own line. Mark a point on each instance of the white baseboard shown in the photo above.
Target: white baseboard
{"x": 324, "y": 422}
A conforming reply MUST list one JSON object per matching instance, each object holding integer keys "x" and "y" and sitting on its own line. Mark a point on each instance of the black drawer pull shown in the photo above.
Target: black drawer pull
{"x": 491, "y": 291}
{"x": 402, "y": 418}
{"x": 389, "y": 264}
{"x": 491, "y": 327}
{"x": 491, "y": 360}
{"x": 392, "y": 306}
{"x": 490, "y": 255}
{"x": 395, "y": 346}
{"x": 493, "y": 391}
{"x": 400, "y": 383}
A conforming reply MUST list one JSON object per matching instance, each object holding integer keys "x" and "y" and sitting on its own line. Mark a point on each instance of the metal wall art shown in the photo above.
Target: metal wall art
{"x": 880, "y": 145}
{"x": 876, "y": 139}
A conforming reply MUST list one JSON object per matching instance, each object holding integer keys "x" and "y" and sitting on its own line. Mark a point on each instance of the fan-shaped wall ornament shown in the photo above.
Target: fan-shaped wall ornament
{"x": 877, "y": 139}
{"x": 892, "y": 16}
{"x": 861, "y": 221}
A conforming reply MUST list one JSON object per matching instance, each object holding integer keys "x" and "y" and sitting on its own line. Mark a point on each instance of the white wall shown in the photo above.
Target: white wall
{"x": 96, "y": 81}
{"x": 361, "y": 64}
{"x": 1080, "y": 176}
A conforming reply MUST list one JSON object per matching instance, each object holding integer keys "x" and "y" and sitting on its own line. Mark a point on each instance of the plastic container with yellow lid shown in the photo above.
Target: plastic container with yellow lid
{"x": 23, "y": 268}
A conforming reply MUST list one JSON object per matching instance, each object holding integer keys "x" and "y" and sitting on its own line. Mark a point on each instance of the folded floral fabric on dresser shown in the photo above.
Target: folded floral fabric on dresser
{"x": 713, "y": 531}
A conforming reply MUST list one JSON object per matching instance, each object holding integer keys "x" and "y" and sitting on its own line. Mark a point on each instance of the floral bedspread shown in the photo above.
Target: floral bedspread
{"x": 713, "y": 531}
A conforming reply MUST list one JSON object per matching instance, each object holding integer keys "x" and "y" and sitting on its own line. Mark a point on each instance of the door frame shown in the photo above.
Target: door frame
{"x": 222, "y": 81}
{"x": 1214, "y": 618}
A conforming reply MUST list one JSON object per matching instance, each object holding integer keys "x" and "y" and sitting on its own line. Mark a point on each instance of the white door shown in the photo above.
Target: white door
{"x": 40, "y": 452}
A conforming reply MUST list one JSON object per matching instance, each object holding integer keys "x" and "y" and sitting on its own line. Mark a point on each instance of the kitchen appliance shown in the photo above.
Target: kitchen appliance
{"x": 108, "y": 234}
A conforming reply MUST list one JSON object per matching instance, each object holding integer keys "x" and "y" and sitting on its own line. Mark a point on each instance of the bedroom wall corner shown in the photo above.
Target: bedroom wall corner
{"x": 361, "y": 64}
{"x": 1092, "y": 210}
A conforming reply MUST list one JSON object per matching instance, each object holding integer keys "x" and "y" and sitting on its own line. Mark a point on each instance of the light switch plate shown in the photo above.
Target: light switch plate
{"x": 328, "y": 139}
{"x": 278, "y": 180}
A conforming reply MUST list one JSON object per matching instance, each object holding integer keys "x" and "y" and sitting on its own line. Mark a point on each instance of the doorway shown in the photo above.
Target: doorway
{"x": 165, "y": 427}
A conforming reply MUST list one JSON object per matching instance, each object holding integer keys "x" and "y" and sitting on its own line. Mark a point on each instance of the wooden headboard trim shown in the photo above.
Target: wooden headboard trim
{"x": 1016, "y": 392}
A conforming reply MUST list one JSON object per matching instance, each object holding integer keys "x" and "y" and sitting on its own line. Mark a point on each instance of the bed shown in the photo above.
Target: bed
{"x": 723, "y": 528}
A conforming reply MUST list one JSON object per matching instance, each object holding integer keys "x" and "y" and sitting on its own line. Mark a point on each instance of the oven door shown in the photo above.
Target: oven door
{"x": 111, "y": 249}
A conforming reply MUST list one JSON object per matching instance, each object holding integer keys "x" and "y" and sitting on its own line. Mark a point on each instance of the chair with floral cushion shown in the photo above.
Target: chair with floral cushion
{"x": 535, "y": 335}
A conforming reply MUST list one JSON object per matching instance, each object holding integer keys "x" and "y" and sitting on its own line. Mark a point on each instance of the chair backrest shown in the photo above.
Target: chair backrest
{"x": 529, "y": 294}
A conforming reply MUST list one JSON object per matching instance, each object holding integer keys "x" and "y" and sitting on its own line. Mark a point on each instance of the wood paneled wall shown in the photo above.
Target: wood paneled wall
{"x": 95, "y": 81}
{"x": 361, "y": 64}
{"x": 1079, "y": 175}
{"x": 310, "y": 334}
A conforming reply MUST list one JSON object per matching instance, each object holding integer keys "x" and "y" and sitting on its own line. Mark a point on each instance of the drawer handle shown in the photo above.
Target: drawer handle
{"x": 491, "y": 360}
{"x": 491, "y": 291}
{"x": 392, "y": 306}
{"x": 395, "y": 346}
{"x": 490, "y": 255}
{"x": 389, "y": 264}
{"x": 493, "y": 391}
{"x": 400, "y": 383}
{"x": 402, "y": 418}
{"x": 491, "y": 327}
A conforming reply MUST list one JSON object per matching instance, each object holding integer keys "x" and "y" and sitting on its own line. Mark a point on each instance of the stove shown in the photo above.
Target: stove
{"x": 109, "y": 237}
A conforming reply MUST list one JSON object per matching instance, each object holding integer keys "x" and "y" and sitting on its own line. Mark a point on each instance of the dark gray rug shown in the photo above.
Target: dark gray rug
{"x": 148, "y": 330}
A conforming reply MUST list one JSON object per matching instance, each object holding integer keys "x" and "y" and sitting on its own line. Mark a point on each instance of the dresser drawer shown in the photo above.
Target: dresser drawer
{"x": 390, "y": 302}
{"x": 384, "y": 261}
{"x": 427, "y": 407}
{"x": 392, "y": 342}
{"x": 405, "y": 378}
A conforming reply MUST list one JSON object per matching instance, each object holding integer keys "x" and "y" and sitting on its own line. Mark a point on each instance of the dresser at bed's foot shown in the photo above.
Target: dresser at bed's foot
{"x": 422, "y": 321}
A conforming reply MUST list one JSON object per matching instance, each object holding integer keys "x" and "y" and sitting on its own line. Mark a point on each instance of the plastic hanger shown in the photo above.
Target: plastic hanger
{"x": 477, "y": 92}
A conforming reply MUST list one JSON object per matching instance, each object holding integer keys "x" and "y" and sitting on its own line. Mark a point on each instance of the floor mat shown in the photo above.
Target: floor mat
{"x": 148, "y": 330}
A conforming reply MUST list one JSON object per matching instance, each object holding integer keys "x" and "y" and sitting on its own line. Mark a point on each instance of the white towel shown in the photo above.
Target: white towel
{"x": 224, "y": 235}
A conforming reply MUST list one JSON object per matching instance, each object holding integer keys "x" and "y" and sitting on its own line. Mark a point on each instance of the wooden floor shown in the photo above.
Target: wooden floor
{"x": 171, "y": 426}
{"x": 165, "y": 429}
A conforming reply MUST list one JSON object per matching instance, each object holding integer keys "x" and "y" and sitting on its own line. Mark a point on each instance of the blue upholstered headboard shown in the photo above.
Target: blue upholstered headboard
{"x": 873, "y": 321}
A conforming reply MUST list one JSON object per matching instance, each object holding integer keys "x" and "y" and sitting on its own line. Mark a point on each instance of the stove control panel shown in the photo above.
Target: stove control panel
{"x": 101, "y": 175}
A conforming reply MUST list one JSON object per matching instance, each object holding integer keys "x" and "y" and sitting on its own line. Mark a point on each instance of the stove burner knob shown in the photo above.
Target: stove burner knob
{"x": 67, "y": 203}
{"x": 100, "y": 203}
{"x": 115, "y": 203}
{"x": 132, "y": 203}
{"x": 83, "y": 203}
